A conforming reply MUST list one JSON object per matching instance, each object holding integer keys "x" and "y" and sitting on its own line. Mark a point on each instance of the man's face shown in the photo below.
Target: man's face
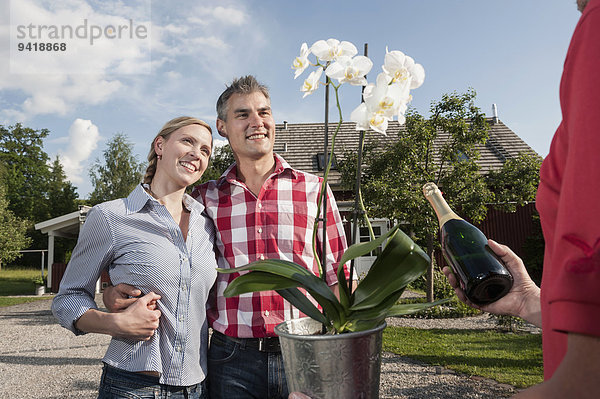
{"x": 250, "y": 127}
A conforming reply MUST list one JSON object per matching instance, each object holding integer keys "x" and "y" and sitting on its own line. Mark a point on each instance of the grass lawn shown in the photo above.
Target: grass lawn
{"x": 4, "y": 301}
{"x": 17, "y": 282}
{"x": 514, "y": 359}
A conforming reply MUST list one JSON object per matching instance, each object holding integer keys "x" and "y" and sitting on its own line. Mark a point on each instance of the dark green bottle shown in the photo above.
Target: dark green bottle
{"x": 482, "y": 276}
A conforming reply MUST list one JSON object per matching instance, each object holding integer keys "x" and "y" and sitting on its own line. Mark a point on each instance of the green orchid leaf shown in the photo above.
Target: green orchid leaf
{"x": 289, "y": 270}
{"x": 300, "y": 301}
{"x": 258, "y": 281}
{"x": 409, "y": 308}
{"x": 363, "y": 248}
{"x": 273, "y": 266}
{"x": 356, "y": 325}
{"x": 361, "y": 324}
{"x": 379, "y": 311}
{"x": 401, "y": 262}
{"x": 343, "y": 287}
{"x": 324, "y": 296}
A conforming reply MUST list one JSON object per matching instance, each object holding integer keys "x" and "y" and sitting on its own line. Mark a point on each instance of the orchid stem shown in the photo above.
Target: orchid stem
{"x": 325, "y": 176}
{"x": 364, "y": 212}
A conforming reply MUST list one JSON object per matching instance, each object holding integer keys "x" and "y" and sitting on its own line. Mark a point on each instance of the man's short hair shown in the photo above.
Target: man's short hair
{"x": 244, "y": 85}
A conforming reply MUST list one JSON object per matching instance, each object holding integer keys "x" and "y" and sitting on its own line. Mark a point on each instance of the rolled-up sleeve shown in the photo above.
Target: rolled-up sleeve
{"x": 92, "y": 254}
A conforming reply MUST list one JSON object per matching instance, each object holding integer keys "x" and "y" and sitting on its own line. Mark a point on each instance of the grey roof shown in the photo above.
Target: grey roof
{"x": 299, "y": 144}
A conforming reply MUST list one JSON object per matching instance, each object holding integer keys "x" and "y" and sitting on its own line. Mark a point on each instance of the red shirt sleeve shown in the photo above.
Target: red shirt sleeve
{"x": 572, "y": 177}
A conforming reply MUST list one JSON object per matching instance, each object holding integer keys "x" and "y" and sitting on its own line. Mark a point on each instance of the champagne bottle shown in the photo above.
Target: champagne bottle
{"x": 481, "y": 274}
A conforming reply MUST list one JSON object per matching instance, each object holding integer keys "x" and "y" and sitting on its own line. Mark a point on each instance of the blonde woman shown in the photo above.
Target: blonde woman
{"x": 159, "y": 240}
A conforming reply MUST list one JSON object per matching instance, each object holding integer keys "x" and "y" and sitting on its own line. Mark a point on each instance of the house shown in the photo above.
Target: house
{"x": 301, "y": 144}
{"x": 62, "y": 226}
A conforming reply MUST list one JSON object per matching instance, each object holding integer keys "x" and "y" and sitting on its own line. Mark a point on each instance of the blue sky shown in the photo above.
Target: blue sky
{"x": 511, "y": 52}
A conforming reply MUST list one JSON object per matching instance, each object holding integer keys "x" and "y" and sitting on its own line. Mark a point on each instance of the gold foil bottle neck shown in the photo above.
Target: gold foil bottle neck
{"x": 439, "y": 204}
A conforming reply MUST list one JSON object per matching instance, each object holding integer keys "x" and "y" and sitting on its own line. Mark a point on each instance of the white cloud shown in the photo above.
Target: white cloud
{"x": 83, "y": 139}
{"x": 229, "y": 15}
{"x": 210, "y": 41}
{"x": 217, "y": 143}
{"x": 94, "y": 42}
{"x": 195, "y": 50}
{"x": 173, "y": 75}
{"x": 56, "y": 82}
{"x": 218, "y": 15}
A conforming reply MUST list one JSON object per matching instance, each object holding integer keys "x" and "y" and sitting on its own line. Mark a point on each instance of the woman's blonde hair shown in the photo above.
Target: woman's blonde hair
{"x": 165, "y": 132}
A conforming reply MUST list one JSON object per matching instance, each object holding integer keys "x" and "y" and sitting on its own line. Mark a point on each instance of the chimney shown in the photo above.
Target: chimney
{"x": 495, "y": 114}
{"x": 284, "y": 125}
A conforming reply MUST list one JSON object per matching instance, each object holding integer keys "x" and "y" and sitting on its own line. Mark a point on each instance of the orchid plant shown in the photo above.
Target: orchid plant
{"x": 401, "y": 260}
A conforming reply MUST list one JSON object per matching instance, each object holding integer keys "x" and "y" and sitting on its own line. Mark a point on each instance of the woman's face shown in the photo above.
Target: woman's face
{"x": 185, "y": 154}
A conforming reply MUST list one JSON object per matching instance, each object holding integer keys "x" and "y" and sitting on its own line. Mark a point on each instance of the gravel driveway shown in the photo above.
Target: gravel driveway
{"x": 40, "y": 359}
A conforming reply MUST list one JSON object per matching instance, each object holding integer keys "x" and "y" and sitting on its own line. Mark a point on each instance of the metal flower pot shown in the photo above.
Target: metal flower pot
{"x": 330, "y": 366}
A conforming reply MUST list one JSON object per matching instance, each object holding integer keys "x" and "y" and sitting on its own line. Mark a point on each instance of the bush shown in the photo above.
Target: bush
{"x": 39, "y": 280}
{"x": 453, "y": 309}
{"x": 441, "y": 287}
{"x": 508, "y": 323}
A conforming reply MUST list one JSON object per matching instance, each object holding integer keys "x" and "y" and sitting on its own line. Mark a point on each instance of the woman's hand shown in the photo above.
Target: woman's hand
{"x": 120, "y": 297}
{"x": 138, "y": 322}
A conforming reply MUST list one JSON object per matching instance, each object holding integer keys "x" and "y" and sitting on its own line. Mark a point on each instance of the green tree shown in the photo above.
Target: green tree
{"x": 26, "y": 170}
{"x": 61, "y": 199}
{"x": 118, "y": 174}
{"x": 220, "y": 160}
{"x": 393, "y": 177}
{"x": 61, "y": 194}
{"x": 13, "y": 230}
{"x": 516, "y": 183}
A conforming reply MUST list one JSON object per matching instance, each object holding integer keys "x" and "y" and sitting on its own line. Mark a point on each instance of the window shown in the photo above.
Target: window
{"x": 321, "y": 162}
{"x": 364, "y": 237}
{"x": 462, "y": 156}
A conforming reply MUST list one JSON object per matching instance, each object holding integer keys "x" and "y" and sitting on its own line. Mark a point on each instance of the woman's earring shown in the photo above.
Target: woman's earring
{"x": 159, "y": 156}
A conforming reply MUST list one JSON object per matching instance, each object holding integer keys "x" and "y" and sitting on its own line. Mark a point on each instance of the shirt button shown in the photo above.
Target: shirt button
{"x": 259, "y": 205}
{"x": 183, "y": 288}
{"x": 259, "y": 230}
{"x": 261, "y": 257}
{"x": 178, "y": 348}
{"x": 266, "y": 312}
{"x": 181, "y": 317}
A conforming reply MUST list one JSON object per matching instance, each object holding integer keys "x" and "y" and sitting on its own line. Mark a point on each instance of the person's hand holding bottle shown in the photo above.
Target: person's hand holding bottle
{"x": 523, "y": 300}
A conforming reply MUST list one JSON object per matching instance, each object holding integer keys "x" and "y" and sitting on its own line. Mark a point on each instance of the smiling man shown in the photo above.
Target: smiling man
{"x": 262, "y": 209}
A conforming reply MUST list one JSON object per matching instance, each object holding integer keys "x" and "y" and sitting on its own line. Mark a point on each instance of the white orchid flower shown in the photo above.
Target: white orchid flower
{"x": 401, "y": 68}
{"x": 332, "y": 49}
{"x": 385, "y": 98}
{"x": 312, "y": 82}
{"x": 301, "y": 62}
{"x": 382, "y": 102}
{"x": 351, "y": 70}
{"x": 366, "y": 119}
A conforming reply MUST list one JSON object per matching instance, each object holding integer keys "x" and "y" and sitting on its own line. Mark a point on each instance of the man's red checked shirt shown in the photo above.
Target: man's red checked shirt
{"x": 278, "y": 224}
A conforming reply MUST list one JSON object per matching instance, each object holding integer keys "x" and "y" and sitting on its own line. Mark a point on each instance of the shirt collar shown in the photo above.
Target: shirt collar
{"x": 139, "y": 197}
{"x": 281, "y": 165}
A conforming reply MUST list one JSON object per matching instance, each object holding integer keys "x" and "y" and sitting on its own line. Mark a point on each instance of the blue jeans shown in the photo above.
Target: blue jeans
{"x": 237, "y": 372}
{"x": 119, "y": 384}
